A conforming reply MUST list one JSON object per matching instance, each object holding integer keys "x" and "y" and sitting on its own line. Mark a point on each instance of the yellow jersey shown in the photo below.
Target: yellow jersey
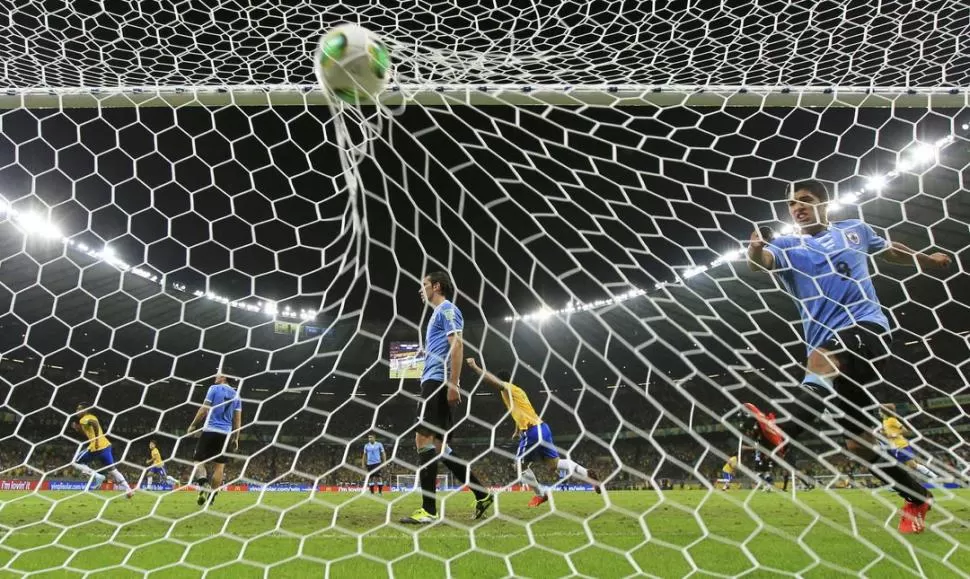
{"x": 92, "y": 429}
{"x": 156, "y": 458}
{"x": 517, "y": 401}
{"x": 893, "y": 429}
{"x": 730, "y": 465}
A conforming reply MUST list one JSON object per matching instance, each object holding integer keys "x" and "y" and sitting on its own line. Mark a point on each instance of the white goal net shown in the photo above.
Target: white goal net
{"x": 178, "y": 201}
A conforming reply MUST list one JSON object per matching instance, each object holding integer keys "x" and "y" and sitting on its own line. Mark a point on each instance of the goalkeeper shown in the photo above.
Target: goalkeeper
{"x": 825, "y": 268}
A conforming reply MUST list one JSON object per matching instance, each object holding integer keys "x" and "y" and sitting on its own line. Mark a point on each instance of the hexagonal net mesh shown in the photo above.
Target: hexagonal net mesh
{"x": 597, "y": 247}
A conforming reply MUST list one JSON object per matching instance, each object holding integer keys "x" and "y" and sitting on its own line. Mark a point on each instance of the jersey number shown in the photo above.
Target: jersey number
{"x": 843, "y": 269}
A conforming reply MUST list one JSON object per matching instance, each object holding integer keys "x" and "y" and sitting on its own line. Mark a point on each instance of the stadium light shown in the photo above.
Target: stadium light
{"x": 922, "y": 153}
{"x": 34, "y": 224}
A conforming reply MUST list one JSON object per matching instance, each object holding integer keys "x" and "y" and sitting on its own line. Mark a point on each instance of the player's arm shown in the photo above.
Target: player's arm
{"x": 758, "y": 258}
{"x": 456, "y": 349}
{"x": 199, "y": 416}
{"x": 487, "y": 377}
{"x": 236, "y": 425}
{"x": 363, "y": 459}
{"x": 383, "y": 455}
{"x": 903, "y": 255}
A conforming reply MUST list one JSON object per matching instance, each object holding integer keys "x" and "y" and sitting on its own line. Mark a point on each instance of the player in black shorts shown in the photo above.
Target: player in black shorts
{"x": 371, "y": 460}
{"x": 439, "y": 392}
{"x": 825, "y": 268}
{"x": 222, "y": 416}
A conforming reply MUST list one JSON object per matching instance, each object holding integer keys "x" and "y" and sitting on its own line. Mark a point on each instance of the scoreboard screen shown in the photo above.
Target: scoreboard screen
{"x": 407, "y": 360}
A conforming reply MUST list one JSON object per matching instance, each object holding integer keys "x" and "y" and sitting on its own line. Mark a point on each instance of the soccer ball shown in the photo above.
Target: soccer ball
{"x": 352, "y": 63}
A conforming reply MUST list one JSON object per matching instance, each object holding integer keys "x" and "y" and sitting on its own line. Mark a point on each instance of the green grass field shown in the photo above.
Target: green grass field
{"x": 826, "y": 534}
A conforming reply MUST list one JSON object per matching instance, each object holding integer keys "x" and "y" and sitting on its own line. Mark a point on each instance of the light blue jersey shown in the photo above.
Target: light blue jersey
{"x": 373, "y": 450}
{"x": 224, "y": 403}
{"x": 828, "y": 274}
{"x": 445, "y": 320}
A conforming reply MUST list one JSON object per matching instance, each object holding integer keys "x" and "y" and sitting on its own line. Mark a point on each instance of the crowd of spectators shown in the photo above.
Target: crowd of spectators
{"x": 630, "y": 463}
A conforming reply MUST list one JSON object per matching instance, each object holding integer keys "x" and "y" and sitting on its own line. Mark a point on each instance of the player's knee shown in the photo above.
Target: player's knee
{"x": 823, "y": 363}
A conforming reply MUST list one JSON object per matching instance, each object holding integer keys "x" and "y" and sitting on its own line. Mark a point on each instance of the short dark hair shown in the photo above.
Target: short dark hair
{"x": 444, "y": 280}
{"x": 504, "y": 375}
{"x": 813, "y": 186}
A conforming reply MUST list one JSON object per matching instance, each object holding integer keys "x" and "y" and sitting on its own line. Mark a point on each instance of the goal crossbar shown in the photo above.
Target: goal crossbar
{"x": 498, "y": 94}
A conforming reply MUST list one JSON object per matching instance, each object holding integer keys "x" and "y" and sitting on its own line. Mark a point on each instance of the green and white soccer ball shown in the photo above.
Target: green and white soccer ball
{"x": 353, "y": 63}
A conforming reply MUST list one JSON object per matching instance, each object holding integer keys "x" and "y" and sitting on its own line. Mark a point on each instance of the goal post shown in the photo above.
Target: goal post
{"x": 179, "y": 202}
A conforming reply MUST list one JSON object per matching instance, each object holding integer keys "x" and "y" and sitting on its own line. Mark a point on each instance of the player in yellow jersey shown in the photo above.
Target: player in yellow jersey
{"x": 727, "y": 471}
{"x": 158, "y": 466}
{"x": 535, "y": 437}
{"x": 899, "y": 448}
{"x": 98, "y": 449}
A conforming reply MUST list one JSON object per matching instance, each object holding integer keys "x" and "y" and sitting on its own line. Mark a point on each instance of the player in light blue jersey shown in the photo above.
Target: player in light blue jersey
{"x": 371, "y": 460}
{"x": 439, "y": 392}
{"x": 221, "y": 415}
{"x": 825, "y": 268}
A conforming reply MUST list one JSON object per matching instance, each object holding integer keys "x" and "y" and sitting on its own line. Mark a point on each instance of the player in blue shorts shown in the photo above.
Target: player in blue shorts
{"x": 535, "y": 436}
{"x": 98, "y": 451}
{"x": 157, "y": 467}
{"x": 895, "y": 433}
{"x": 825, "y": 268}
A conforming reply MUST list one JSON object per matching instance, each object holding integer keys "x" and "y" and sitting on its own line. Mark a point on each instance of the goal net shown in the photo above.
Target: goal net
{"x": 179, "y": 201}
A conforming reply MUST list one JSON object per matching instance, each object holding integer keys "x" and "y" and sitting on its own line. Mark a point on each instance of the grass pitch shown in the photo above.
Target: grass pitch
{"x": 679, "y": 533}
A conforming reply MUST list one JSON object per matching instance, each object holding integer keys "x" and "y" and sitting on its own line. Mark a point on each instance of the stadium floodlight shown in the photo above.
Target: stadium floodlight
{"x": 35, "y": 225}
{"x": 876, "y": 183}
{"x": 921, "y": 154}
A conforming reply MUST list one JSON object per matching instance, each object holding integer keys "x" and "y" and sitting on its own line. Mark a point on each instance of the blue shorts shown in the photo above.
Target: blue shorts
{"x": 728, "y": 477}
{"x": 103, "y": 456}
{"x": 159, "y": 470}
{"x": 904, "y": 454}
{"x": 536, "y": 443}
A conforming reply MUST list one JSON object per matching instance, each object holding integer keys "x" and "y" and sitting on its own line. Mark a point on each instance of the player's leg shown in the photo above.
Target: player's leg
{"x": 107, "y": 459}
{"x": 218, "y": 471}
{"x": 205, "y": 451}
{"x": 441, "y": 422}
{"x": 545, "y": 447}
{"x": 524, "y": 456}
{"x": 95, "y": 479}
{"x": 378, "y": 480}
{"x": 907, "y": 456}
{"x": 857, "y": 365}
{"x": 171, "y": 479}
{"x": 428, "y": 446}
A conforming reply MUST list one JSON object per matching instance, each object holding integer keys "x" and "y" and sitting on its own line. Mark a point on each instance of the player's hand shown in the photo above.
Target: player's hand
{"x": 235, "y": 445}
{"x": 757, "y": 241}
{"x": 454, "y": 395}
{"x": 472, "y": 364}
{"x": 941, "y": 260}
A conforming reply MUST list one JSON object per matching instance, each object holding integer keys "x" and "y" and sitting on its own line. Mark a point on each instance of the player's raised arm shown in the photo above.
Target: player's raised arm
{"x": 489, "y": 378}
{"x": 899, "y": 253}
{"x": 758, "y": 258}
